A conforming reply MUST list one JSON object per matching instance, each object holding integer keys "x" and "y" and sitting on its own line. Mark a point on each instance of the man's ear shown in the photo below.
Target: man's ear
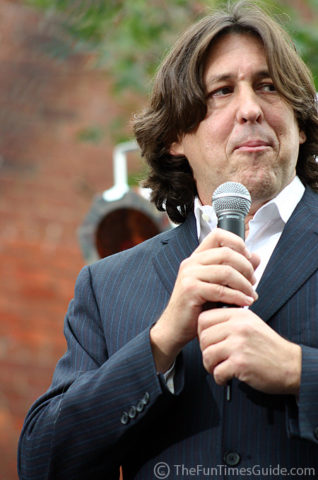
{"x": 302, "y": 137}
{"x": 176, "y": 148}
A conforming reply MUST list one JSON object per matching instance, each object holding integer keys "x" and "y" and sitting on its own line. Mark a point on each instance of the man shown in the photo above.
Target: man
{"x": 149, "y": 349}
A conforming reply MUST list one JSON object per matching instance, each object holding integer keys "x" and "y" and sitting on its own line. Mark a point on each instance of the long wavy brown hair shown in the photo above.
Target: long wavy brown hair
{"x": 178, "y": 102}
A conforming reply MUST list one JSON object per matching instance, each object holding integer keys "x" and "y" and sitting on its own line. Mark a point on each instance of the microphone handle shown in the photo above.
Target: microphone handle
{"x": 232, "y": 222}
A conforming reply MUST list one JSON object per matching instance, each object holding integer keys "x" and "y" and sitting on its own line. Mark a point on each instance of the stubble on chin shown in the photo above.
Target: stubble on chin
{"x": 262, "y": 185}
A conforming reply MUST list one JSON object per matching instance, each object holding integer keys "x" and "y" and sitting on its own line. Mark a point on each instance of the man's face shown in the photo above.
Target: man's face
{"x": 250, "y": 134}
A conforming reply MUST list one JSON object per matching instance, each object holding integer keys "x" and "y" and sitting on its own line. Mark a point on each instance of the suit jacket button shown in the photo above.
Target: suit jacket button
{"x": 124, "y": 418}
{"x": 132, "y": 412}
{"x": 146, "y": 398}
{"x": 232, "y": 459}
{"x": 316, "y": 433}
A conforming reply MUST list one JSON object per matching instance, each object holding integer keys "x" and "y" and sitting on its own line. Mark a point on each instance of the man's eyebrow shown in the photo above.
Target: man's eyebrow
{"x": 224, "y": 77}
{"x": 219, "y": 78}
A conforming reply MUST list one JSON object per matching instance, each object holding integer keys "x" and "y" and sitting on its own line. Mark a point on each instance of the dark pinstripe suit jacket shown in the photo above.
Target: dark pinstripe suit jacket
{"x": 107, "y": 406}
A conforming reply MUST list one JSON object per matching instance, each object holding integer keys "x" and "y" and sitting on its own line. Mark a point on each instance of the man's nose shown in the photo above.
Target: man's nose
{"x": 248, "y": 108}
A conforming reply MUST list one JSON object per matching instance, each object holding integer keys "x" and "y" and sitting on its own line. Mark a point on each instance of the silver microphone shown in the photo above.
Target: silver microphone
{"x": 231, "y": 203}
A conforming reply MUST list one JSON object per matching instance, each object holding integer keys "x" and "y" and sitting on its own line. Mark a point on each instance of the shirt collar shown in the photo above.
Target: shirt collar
{"x": 285, "y": 202}
{"x": 282, "y": 206}
{"x": 206, "y": 219}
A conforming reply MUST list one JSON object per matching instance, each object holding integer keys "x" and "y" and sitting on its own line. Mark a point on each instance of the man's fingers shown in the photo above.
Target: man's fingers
{"x": 216, "y": 293}
{"x": 216, "y": 360}
{"x": 221, "y": 238}
{"x": 227, "y": 256}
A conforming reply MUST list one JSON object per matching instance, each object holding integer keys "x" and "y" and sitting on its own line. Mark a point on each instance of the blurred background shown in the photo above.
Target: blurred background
{"x": 72, "y": 74}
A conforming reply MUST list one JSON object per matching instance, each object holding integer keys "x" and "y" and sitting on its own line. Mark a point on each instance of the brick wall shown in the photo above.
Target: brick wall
{"x": 47, "y": 181}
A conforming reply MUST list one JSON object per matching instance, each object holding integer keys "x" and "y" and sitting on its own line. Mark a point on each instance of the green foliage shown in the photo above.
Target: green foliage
{"x": 305, "y": 36}
{"x": 127, "y": 36}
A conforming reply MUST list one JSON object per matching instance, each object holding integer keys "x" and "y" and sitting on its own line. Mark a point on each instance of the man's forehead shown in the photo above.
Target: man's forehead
{"x": 233, "y": 51}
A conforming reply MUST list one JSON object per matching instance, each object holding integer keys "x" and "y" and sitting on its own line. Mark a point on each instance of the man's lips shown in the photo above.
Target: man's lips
{"x": 253, "y": 146}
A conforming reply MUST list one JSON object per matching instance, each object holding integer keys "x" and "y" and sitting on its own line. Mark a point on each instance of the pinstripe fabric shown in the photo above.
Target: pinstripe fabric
{"x": 75, "y": 430}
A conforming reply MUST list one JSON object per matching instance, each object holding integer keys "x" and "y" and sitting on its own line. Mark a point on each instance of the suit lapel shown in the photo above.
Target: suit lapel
{"x": 177, "y": 245}
{"x": 294, "y": 259}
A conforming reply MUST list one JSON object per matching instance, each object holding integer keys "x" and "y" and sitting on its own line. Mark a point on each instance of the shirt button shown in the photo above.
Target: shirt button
{"x": 232, "y": 459}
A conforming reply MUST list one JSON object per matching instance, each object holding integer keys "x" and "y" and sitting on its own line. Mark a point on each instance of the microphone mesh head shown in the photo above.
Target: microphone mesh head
{"x": 233, "y": 197}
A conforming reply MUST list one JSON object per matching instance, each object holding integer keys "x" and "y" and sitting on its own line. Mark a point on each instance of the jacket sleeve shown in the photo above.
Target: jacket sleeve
{"x": 302, "y": 419}
{"x": 83, "y": 426}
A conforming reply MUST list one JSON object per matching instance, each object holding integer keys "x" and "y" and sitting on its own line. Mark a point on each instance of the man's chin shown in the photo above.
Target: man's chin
{"x": 261, "y": 188}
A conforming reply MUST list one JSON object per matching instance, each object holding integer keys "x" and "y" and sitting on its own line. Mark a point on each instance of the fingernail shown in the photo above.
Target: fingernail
{"x": 250, "y": 301}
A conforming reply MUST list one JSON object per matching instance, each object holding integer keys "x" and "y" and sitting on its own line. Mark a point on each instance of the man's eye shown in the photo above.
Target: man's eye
{"x": 220, "y": 92}
{"x": 267, "y": 87}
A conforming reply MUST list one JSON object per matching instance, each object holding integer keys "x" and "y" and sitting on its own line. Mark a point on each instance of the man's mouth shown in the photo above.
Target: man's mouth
{"x": 253, "y": 146}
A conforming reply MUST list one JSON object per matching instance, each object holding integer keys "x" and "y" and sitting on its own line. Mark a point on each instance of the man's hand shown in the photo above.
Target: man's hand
{"x": 236, "y": 343}
{"x": 219, "y": 270}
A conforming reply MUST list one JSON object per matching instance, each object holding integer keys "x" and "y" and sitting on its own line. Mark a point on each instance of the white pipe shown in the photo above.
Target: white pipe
{"x": 120, "y": 171}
